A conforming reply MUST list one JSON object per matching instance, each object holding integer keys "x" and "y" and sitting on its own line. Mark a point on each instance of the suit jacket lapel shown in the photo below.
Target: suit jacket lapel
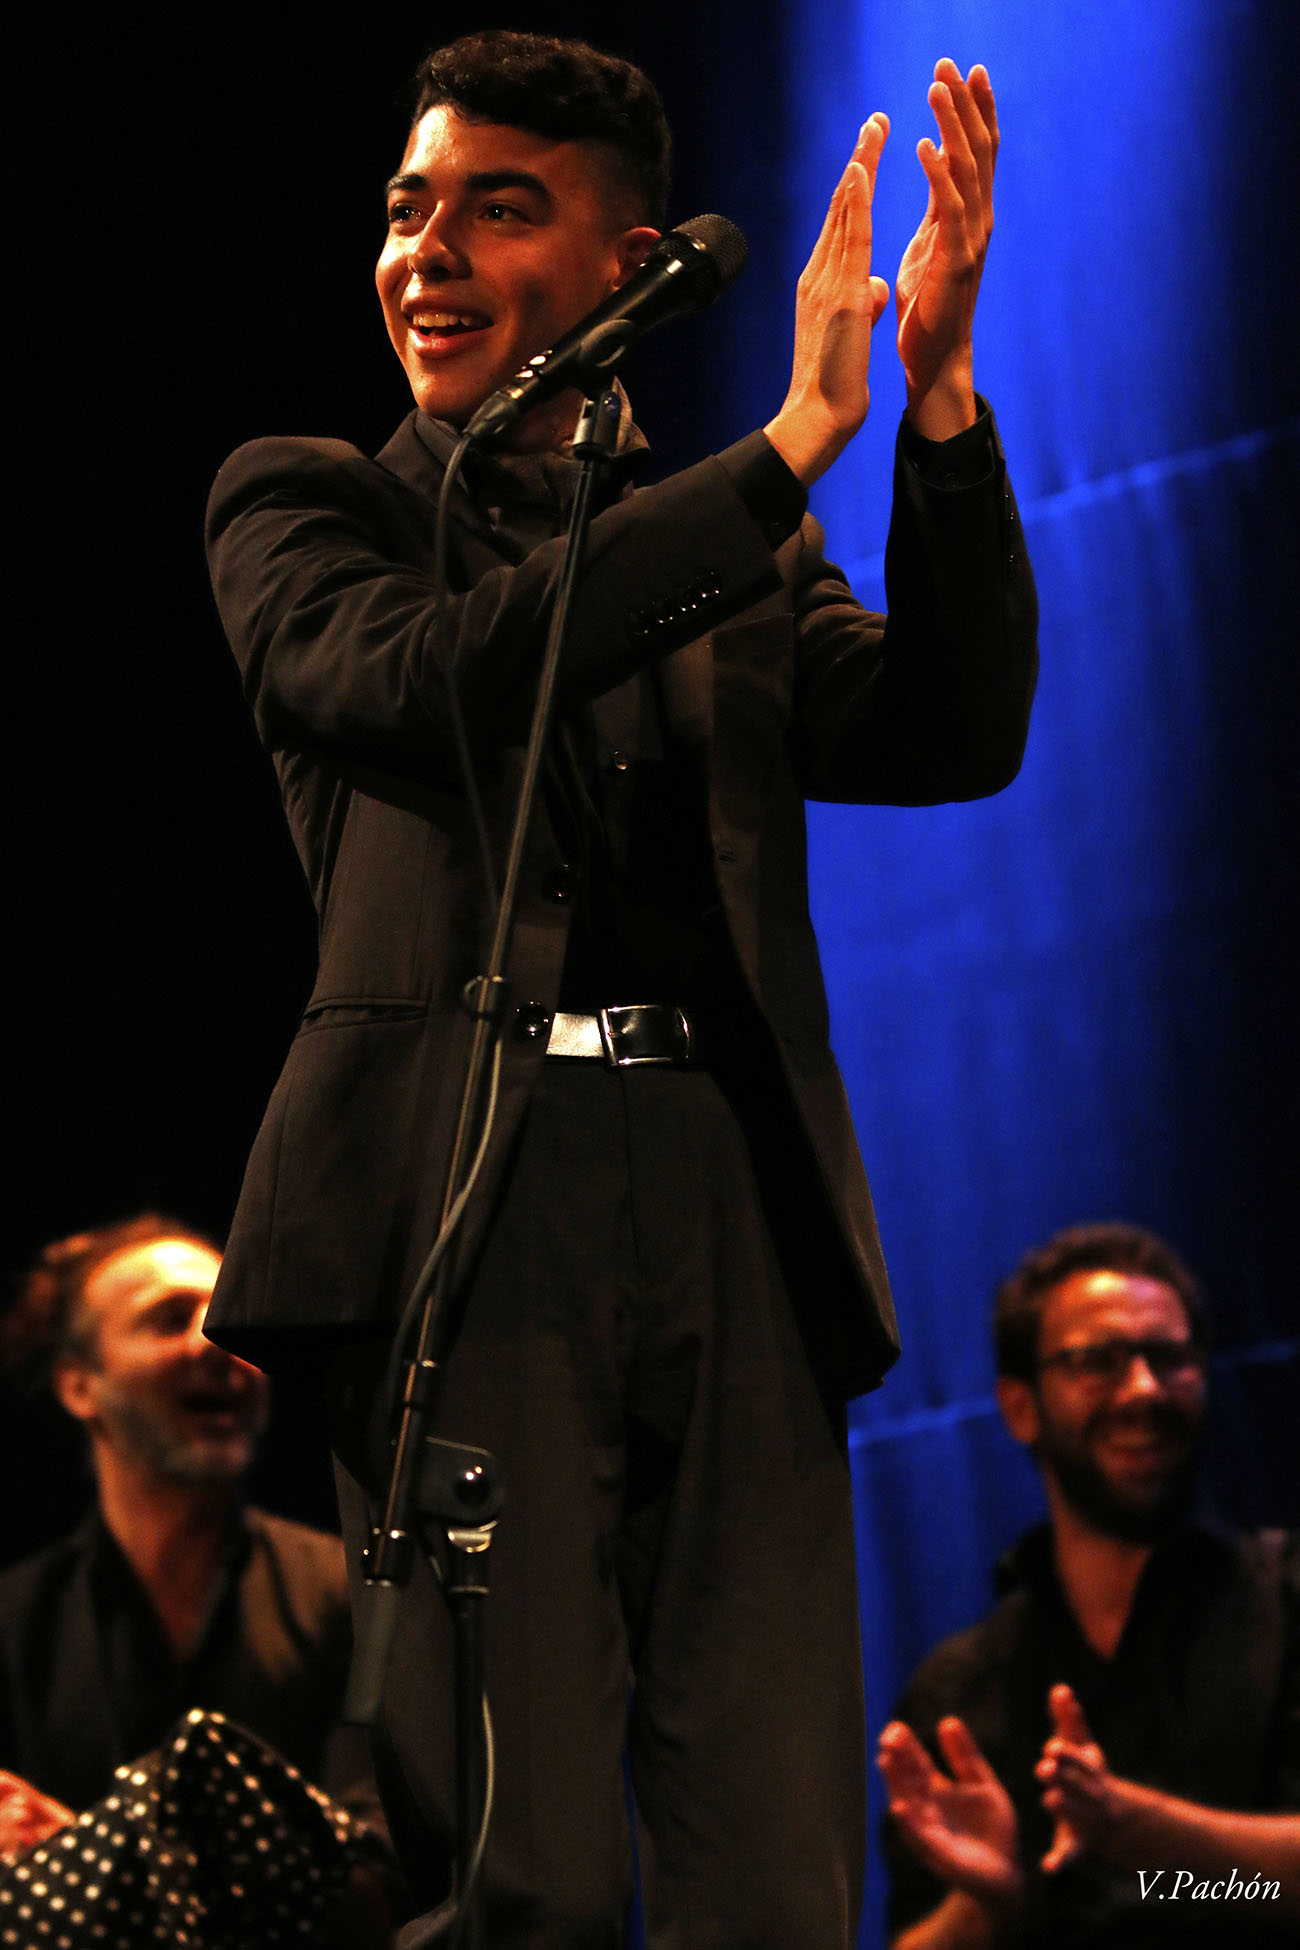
{"x": 81, "y": 1717}
{"x": 415, "y": 455}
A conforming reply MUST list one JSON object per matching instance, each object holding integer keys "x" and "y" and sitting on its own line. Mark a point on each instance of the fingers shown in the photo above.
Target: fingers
{"x": 850, "y": 203}
{"x": 858, "y": 187}
{"x": 904, "y": 1763}
{"x": 872, "y": 137}
{"x": 1067, "y": 1716}
{"x": 977, "y": 111}
{"x": 956, "y": 144}
{"x": 1071, "y": 1773}
{"x": 864, "y": 161}
{"x": 1065, "y": 1848}
{"x": 981, "y": 94}
{"x": 1074, "y": 1735}
{"x": 1063, "y": 1764}
{"x": 967, "y": 120}
{"x": 961, "y": 1751}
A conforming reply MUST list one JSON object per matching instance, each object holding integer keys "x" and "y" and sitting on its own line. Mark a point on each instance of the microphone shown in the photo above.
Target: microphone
{"x": 685, "y": 271}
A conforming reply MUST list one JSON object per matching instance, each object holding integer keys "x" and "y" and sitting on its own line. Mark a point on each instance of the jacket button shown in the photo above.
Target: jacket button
{"x": 531, "y": 1021}
{"x": 561, "y": 885}
{"x": 619, "y": 761}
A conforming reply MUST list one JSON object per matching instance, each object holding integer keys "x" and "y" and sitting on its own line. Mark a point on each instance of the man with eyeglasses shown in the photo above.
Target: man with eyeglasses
{"x": 1125, "y": 1630}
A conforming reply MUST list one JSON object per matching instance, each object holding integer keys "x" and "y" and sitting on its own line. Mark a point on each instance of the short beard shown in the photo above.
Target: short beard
{"x": 1110, "y": 1513}
{"x": 174, "y": 1457}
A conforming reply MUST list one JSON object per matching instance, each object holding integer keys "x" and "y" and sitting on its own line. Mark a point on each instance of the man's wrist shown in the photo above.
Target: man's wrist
{"x": 947, "y": 405}
{"x": 806, "y": 442}
{"x": 961, "y": 1922}
{"x": 1122, "y": 1820}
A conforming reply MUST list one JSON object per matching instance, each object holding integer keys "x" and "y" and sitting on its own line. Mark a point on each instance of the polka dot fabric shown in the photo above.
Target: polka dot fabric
{"x": 212, "y": 1842}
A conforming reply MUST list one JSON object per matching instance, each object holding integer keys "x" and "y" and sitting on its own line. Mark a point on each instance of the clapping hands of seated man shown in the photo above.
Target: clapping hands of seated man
{"x": 962, "y": 1825}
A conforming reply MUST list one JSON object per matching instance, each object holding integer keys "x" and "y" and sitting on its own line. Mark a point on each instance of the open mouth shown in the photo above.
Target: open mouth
{"x": 211, "y": 1406}
{"x": 436, "y": 325}
{"x": 1148, "y": 1445}
{"x": 1139, "y": 1447}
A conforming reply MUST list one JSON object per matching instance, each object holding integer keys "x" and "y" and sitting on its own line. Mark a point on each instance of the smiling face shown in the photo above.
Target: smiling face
{"x": 498, "y": 241}
{"x": 1120, "y": 1450}
{"x": 154, "y": 1390}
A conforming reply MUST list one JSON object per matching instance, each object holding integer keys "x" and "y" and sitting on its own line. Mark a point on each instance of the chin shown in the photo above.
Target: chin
{"x": 1120, "y": 1510}
{"x": 442, "y": 402}
{"x": 209, "y": 1462}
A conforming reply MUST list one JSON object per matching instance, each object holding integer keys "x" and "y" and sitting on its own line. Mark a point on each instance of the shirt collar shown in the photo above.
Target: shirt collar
{"x": 106, "y": 1558}
{"x": 498, "y": 477}
{"x": 1030, "y": 1564}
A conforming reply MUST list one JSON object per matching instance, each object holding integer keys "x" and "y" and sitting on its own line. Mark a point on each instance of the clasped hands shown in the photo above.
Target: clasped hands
{"x": 840, "y": 299}
{"x": 962, "y": 1824}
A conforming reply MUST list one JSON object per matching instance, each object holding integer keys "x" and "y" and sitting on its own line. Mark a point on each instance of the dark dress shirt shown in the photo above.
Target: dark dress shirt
{"x": 88, "y": 1680}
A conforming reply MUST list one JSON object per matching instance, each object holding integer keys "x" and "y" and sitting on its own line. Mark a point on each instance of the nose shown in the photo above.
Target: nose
{"x": 1139, "y": 1382}
{"x": 434, "y": 252}
{"x": 199, "y": 1345}
{"x": 217, "y": 1363}
{"x": 194, "y": 1333}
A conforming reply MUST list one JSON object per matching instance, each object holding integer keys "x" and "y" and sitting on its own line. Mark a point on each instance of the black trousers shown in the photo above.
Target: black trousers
{"x": 674, "y": 1566}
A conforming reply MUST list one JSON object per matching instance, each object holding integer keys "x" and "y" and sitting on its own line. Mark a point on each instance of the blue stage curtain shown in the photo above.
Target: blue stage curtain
{"x": 1076, "y": 1000}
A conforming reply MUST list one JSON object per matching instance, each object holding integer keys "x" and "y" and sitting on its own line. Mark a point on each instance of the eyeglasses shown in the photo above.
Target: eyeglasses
{"x": 1106, "y": 1363}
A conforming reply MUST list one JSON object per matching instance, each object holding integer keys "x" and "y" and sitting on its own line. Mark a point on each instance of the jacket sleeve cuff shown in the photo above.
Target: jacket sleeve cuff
{"x": 773, "y": 496}
{"x": 964, "y": 461}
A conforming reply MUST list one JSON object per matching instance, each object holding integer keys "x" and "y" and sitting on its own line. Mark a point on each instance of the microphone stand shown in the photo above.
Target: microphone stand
{"x": 431, "y": 1480}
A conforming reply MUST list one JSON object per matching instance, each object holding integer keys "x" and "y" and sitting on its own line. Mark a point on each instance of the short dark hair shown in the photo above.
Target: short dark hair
{"x": 559, "y": 88}
{"x": 1109, "y": 1246}
{"x": 47, "y": 1322}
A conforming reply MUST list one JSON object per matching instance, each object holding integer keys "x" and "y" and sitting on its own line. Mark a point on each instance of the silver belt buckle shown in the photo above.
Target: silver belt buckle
{"x": 609, "y": 1036}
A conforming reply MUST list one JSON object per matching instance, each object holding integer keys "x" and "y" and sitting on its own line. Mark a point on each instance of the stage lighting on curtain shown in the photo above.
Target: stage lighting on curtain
{"x": 1072, "y": 1001}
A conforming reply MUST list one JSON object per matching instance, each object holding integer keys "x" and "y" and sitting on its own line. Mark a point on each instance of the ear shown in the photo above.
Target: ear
{"x": 1019, "y": 1405}
{"x": 74, "y": 1385}
{"x": 634, "y": 246}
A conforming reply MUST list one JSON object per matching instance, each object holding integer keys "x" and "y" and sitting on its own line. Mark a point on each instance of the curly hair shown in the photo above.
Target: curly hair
{"x": 48, "y": 1321}
{"x": 1109, "y": 1246}
{"x": 563, "y": 89}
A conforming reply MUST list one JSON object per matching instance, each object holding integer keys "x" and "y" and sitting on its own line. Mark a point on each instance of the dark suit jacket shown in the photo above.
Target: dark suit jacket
{"x": 778, "y": 686}
{"x": 87, "y": 1681}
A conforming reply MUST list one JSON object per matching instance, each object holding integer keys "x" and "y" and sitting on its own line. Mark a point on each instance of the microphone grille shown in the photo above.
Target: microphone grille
{"x": 723, "y": 240}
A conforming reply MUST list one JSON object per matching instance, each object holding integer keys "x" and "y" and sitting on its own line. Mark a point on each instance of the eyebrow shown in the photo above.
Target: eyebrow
{"x": 481, "y": 181}
{"x": 169, "y": 1298}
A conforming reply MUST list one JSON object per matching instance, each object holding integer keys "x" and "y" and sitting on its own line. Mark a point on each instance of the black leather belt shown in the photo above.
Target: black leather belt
{"x": 638, "y": 1032}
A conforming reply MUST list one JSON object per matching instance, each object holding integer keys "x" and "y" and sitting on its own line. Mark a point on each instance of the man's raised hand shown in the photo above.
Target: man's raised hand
{"x": 939, "y": 277}
{"x": 837, "y": 305}
{"x": 961, "y": 1825}
{"x": 1076, "y": 1786}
